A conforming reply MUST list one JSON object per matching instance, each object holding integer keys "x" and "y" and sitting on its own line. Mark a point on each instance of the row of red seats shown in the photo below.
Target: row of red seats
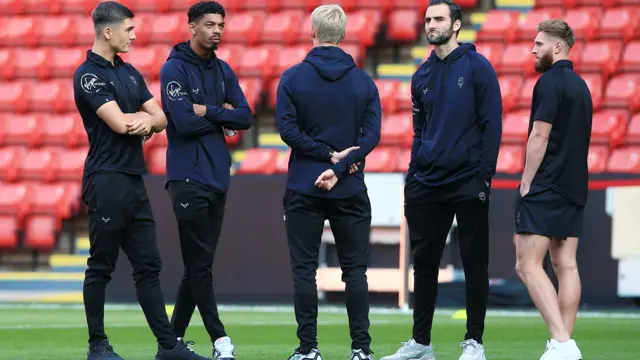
{"x": 21, "y": 200}
{"x": 614, "y": 23}
{"x": 267, "y": 161}
{"x": 57, "y": 63}
{"x": 39, "y": 232}
{"x": 56, "y": 96}
{"x": 249, "y": 28}
{"x": 608, "y": 56}
{"x": 17, "y": 7}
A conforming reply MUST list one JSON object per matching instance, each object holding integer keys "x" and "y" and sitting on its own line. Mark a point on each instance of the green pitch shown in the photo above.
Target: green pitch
{"x": 59, "y": 333}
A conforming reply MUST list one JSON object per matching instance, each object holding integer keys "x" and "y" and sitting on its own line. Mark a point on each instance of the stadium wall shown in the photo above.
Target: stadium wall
{"x": 252, "y": 261}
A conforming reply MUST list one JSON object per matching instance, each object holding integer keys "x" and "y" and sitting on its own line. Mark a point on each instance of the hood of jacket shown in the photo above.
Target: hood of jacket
{"x": 184, "y": 52}
{"x": 330, "y": 62}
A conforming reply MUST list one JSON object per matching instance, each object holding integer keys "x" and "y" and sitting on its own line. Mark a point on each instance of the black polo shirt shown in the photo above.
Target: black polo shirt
{"x": 562, "y": 98}
{"x": 95, "y": 83}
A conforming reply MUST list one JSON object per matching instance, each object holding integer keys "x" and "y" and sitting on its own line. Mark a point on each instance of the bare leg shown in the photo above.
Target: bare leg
{"x": 563, "y": 256}
{"x": 530, "y": 252}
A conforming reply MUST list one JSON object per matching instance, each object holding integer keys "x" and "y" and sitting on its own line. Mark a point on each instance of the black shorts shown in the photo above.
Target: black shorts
{"x": 545, "y": 212}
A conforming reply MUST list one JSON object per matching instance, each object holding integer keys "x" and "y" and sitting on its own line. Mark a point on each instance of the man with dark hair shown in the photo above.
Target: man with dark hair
{"x": 328, "y": 112}
{"x": 202, "y": 100}
{"x": 118, "y": 113}
{"x": 457, "y": 122}
{"x": 554, "y": 187}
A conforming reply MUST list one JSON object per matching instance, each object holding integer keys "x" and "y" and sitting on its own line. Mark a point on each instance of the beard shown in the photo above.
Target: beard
{"x": 544, "y": 63}
{"x": 441, "y": 38}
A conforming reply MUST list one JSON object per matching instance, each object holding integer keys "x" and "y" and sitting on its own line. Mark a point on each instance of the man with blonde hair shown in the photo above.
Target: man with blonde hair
{"x": 553, "y": 191}
{"x": 328, "y": 112}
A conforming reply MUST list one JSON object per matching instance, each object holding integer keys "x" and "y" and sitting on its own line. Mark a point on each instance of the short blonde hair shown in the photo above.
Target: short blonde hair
{"x": 558, "y": 29}
{"x": 329, "y": 23}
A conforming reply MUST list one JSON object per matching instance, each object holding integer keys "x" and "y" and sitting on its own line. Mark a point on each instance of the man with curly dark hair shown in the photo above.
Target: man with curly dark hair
{"x": 202, "y": 100}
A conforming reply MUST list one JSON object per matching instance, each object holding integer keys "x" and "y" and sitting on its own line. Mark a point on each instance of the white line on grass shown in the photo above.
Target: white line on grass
{"x": 326, "y": 309}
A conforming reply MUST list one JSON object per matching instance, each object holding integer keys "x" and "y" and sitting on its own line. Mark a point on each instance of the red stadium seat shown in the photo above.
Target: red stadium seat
{"x": 8, "y": 232}
{"x": 597, "y": 158}
{"x": 526, "y": 93}
{"x": 55, "y": 30}
{"x": 290, "y": 56}
{"x": 50, "y": 199}
{"x": 403, "y": 97}
{"x": 404, "y": 158}
{"x": 7, "y": 64}
{"x": 259, "y": 161}
{"x": 631, "y": 57}
{"x": 157, "y": 162}
{"x": 585, "y": 22}
{"x": 70, "y": 164}
{"x": 282, "y": 27}
{"x": 527, "y": 28}
{"x": 21, "y": 129}
{"x": 623, "y": 91}
{"x": 510, "y": 86}
{"x": 49, "y": 96}
{"x": 624, "y": 160}
{"x": 362, "y": 27}
{"x": 493, "y": 52}
{"x": 619, "y": 23}
{"x": 500, "y": 25}
{"x": 13, "y": 200}
{"x": 230, "y": 53}
{"x": 282, "y": 162}
{"x": 38, "y": 164}
{"x": 387, "y": 90}
{"x": 518, "y": 59}
{"x": 402, "y": 25}
{"x": 600, "y": 56}
{"x": 40, "y": 232}
{"x": 633, "y": 132}
{"x": 32, "y": 63}
{"x": 18, "y": 31}
{"x": 397, "y": 130}
{"x": 240, "y": 27}
{"x": 610, "y": 127}
{"x": 79, "y": 6}
{"x": 9, "y": 160}
{"x": 257, "y": 61}
{"x": 516, "y": 126}
{"x": 168, "y": 29}
{"x": 596, "y": 87}
{"x": 65, "y": 61}
{"x": 14, "y": 96}
{"x": 84, "y": 33}
{"x": 382, "y": 159}
{"x": 251, "y": 87}
{"x": 510, "y": 159}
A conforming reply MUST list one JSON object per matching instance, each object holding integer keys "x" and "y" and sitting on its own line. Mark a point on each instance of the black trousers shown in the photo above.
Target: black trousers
{"x": 199, "y": 213}
{"x": 350, "y": 221}
{"x": 429, "y": 213}
{"x": 120, "y": 216}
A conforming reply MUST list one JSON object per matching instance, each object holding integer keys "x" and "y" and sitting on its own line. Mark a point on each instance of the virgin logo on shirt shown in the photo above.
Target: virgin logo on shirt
{"x": 90, "y": 83}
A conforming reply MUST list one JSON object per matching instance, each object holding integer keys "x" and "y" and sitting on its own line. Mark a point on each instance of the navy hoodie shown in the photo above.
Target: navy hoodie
{"x": 327, "y": 104}
{"x": 197, "y": 150}
{"x": 457, "y": 118}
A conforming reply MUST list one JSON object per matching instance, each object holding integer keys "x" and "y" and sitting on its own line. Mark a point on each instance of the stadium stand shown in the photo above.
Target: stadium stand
{"x": 43, "y": 144}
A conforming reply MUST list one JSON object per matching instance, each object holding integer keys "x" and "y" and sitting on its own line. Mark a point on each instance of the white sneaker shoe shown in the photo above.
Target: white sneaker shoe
{"x": 314, "y": 354}
{"x": 223, "y": 349}
{"x": 562, "y": 351}
{"x": 357, "y": 354}
{"x": 472, "y": 350}
{"x": 411, "y": 350}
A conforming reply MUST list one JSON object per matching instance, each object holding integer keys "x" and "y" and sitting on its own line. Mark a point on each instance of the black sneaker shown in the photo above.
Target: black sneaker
{"x": 102, "y": 351}
{"x": 182, "y": 351}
